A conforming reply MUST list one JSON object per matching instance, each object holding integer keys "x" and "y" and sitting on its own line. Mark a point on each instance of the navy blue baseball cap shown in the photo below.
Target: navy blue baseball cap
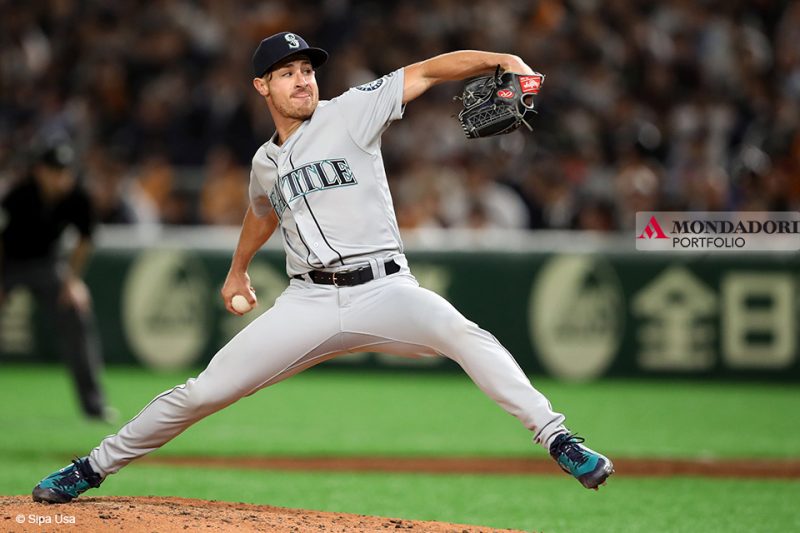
{"x": 280, "y": 46}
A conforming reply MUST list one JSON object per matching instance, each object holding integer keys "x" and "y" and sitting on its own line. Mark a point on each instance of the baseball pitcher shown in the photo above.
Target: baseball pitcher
{"x": 320, "y": 181}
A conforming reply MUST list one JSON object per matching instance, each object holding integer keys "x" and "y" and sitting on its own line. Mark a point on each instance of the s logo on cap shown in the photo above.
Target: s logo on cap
{"x": 291, "y": 38}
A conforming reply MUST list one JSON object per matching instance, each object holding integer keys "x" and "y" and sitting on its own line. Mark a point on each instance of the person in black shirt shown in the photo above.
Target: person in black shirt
{"x": 33, "y": 216}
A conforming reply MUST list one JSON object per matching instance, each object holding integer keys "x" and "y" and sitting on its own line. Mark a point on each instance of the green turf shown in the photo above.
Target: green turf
{"x": 335, "y": 413}
{"x": 349, "y": 414}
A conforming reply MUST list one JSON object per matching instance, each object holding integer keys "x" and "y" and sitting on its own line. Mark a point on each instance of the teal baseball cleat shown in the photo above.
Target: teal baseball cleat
{"x": 587, "y": 466}
{"x": 66, "y": 484}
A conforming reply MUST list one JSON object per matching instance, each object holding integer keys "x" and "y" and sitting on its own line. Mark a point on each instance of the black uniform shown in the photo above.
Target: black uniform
{"x": 33, "y": 228}
{"x": 31, "y": 231}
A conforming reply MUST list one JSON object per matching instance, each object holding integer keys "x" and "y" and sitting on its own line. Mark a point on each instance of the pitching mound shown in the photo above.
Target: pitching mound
{"x": 166, "y": 515}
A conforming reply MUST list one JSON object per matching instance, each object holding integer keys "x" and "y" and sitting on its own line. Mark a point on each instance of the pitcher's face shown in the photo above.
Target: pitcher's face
{"x": 292, "y": 89}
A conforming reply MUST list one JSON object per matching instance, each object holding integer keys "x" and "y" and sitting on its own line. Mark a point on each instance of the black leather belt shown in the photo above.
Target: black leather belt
{"x": 348, "y": 278}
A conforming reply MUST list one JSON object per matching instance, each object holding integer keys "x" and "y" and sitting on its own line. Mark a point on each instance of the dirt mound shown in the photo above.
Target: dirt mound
{"x": 165, "y": 515}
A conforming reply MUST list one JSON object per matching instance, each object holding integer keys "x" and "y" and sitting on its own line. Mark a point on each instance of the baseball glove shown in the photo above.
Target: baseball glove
{"x": 496, "y": 105}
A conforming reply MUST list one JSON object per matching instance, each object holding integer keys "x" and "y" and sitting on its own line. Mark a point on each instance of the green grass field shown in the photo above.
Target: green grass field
{"x": 338, "y": 413}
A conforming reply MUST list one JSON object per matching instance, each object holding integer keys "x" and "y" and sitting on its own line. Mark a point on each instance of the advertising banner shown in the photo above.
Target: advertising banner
{"x": 573, "y": 316}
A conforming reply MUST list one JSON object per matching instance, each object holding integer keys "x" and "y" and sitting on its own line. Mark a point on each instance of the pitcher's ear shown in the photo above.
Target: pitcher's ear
{"x": 261, "y": 86}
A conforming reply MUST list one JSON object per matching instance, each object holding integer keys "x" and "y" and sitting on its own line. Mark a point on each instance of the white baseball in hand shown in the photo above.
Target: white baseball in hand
{"x": 240, "y": 304}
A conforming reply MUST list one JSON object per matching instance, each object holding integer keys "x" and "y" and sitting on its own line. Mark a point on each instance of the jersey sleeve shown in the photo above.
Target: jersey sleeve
{"x": 369, "y": 109}
{"x": 259, "y": 201}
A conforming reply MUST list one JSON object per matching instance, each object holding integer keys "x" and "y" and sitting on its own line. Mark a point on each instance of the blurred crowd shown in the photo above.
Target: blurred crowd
{"x": 671, "y": 105}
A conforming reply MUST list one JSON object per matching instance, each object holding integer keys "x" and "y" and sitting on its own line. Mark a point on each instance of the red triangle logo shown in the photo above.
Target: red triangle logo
{"x": 652, "y": 230}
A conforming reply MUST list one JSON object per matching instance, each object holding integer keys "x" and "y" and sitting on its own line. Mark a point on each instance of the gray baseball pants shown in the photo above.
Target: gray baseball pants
{"x": 391, "y": 314}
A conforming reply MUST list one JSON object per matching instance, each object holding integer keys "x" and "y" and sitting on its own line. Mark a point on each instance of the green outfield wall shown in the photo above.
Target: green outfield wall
{"x": 576, "y": 316}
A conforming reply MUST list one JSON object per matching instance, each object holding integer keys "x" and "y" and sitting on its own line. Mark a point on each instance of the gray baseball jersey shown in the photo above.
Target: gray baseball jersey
{"x": 327, "y": 182}
{"x": 328, "y": 186}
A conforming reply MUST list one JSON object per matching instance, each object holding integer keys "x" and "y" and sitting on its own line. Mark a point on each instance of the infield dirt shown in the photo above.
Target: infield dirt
{"x": 169, "y": 515}
{"x": 628, "y": 467}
